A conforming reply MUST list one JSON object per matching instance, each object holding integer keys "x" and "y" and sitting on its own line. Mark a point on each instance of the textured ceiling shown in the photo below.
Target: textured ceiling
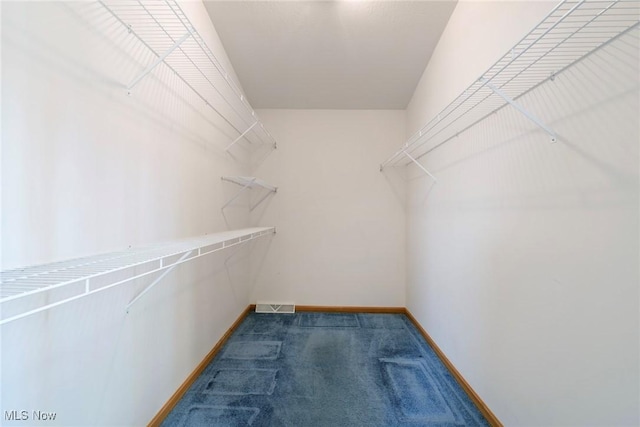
{"x": 329, "y": 54}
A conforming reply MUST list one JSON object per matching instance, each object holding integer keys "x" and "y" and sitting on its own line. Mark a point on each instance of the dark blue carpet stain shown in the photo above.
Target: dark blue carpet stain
{"x": 328, "y": 320}
{"x": 220, "y": 415}
{"x": 252, "y": 350}
{"x": 325, "y": 369}
{"x": 242, "y": 381}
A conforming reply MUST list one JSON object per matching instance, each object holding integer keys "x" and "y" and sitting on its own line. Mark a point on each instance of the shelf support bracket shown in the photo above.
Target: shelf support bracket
{"x": 247, "y": 185}
{"x": 527, "y": 113}
{"x": 262, "y": 199}
{"x": 420, "y": 166}
{"x": 162, "y": 276}
{"x": 240, "y": 137}
{"x": 240, "y": 246}
{"x": 157, "y": 62}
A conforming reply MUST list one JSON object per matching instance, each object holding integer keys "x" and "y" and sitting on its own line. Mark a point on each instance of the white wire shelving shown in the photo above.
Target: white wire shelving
{"x": 31, "y": 290}
{"x": 163, "y": 27}
{"x": 570, "y": 32}
{"x": 249, "y": 182}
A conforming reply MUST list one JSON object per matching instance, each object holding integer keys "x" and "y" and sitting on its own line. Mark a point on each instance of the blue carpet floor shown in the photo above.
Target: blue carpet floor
{"x": 325, "y": 369}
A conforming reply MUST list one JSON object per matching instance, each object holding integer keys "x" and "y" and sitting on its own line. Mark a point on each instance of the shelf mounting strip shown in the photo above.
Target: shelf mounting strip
{"x": 573, "y": 30}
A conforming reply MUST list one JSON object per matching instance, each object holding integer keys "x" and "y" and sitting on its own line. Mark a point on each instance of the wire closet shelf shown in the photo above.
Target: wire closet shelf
{"x": 570, "y": 32}
{"x": 163, "y": 27}
{"x": 41, "y": 287}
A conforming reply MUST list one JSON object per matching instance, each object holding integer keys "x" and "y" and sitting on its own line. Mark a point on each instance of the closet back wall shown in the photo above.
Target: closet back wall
{"x": 87, "y": 169}
{"x": 340, "y": 222}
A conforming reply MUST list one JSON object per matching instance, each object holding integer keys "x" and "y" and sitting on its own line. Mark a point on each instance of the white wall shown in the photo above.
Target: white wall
{"x": 523, "y": 258}
{"x": 340, "y": 224}
{"x": 87, "y": 169}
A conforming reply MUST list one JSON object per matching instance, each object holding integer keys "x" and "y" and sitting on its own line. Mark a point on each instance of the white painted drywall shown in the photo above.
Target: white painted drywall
{"x": 523, "y": 258}
{"x": 87, "y": 169}
{"x": 340, "y": 225}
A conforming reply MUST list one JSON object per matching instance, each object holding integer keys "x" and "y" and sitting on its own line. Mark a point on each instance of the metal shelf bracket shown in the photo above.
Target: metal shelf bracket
{"x": 420, "y": 166}
{"x": 159, "y": 279}
{"x": 520, "y": 108}
{"x": 242, "y": 135}
{"x": 159, "y": 60}
{"x": 244, "y": 187}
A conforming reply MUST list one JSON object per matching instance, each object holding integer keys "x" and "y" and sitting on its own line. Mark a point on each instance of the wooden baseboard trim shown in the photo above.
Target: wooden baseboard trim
{"x": 173, "y": 400}
{"x": 488, "y": 414}
{"x": 350, "y": 309}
